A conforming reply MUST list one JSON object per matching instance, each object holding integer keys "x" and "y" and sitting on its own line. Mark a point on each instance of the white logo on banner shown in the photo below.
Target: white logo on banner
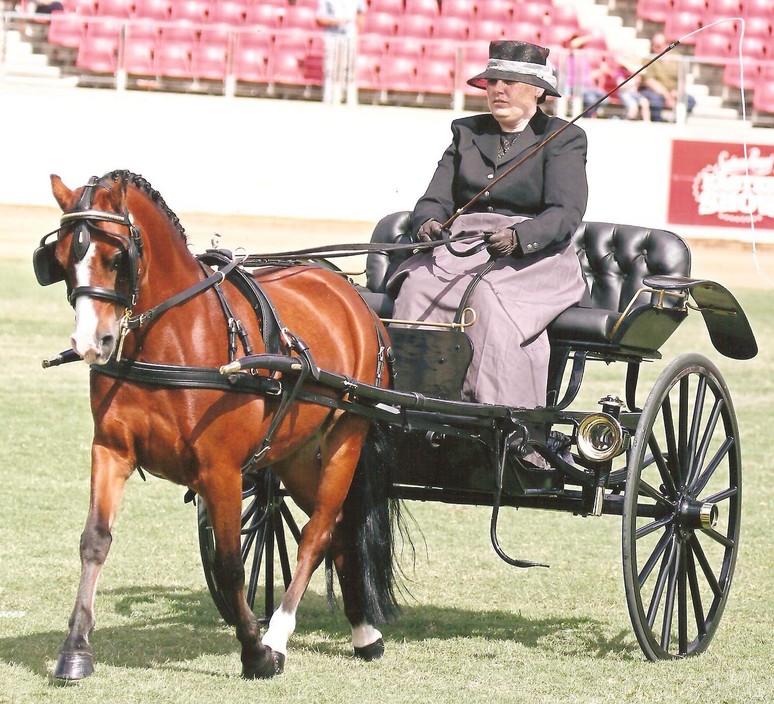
{"x": 735, "y": 192}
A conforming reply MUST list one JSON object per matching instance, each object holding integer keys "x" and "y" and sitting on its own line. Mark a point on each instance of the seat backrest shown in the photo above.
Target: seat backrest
{"x": 616, "y": 258}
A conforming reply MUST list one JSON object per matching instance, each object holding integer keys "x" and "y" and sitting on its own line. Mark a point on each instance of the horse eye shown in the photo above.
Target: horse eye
{"x": 115, "y": 261}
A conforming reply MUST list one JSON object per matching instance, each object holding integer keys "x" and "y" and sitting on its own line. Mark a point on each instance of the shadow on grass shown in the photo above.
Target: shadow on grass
{"x": 172, "y": 627}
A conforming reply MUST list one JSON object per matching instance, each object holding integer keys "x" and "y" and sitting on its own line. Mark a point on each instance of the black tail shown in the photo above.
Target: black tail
{"x": 371, "y": 519}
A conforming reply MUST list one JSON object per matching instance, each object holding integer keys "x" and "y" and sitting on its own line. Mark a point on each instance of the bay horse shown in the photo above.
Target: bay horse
{"x": 140, "y": 294}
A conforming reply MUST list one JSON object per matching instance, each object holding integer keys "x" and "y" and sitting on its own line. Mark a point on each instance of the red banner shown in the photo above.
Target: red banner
{"x": 713, "y": 184}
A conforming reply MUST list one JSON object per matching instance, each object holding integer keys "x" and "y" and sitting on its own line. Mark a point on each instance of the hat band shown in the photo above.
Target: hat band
{"x": 544, "y": 73}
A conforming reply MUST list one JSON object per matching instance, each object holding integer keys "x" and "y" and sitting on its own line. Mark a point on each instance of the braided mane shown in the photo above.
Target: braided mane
{"x": 143, "y": 185}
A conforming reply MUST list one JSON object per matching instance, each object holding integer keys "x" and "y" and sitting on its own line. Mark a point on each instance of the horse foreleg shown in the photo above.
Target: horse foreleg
{"x": 224, "y": 508}
{"x": 108, "y": 477}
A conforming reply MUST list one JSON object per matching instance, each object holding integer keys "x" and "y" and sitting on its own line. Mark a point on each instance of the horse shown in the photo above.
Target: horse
{"x": 140, "y": 295}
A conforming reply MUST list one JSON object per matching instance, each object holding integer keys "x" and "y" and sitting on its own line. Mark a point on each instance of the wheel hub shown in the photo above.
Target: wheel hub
{"x": 695, "y": 515}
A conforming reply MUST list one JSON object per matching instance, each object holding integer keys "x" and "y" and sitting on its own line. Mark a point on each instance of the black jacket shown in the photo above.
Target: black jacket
{"x": 550, "y": 186}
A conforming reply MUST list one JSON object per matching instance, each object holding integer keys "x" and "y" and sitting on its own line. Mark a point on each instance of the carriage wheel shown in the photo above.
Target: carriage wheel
{"x": 265, "y": 515}
{"x": 682, "y": 510}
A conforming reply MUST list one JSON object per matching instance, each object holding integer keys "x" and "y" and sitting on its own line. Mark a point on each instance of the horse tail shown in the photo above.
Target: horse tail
{"x": 370, "y": 522}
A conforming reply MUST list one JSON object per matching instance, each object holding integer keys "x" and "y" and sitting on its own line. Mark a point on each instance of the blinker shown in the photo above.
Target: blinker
{"x": 81, "y": 241}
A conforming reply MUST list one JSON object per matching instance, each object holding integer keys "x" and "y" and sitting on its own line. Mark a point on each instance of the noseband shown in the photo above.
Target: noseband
{"x": 83, "y": 216}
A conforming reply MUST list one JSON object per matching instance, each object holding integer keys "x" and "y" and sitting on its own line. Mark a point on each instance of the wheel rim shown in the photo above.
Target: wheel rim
{"x": 682, "y": 510}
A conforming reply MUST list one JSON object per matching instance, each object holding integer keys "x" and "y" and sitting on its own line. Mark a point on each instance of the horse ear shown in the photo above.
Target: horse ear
{"x": 63, "y": 195}
{"x": 117, "y": 194}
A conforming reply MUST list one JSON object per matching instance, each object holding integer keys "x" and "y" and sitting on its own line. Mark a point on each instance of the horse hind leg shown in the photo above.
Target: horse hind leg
{"x": 363, "y": 547}
{"x": 109, "y": 474}
{"x": 224, "y": 508}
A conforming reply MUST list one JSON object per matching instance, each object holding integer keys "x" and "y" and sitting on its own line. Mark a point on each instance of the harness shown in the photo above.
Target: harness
{"x": 278, "y": 340}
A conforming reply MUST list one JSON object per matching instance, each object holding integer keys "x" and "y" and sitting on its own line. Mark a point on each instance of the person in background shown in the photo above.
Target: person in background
{"x": 660, "y": 80}
{"x": 340, "y": 20}
{"x": 530, "y": 272}
{"x": 606, "y": 76}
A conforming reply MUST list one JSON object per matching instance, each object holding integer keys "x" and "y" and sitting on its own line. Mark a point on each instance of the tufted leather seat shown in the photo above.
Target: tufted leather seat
{"x": 616, "y": 259}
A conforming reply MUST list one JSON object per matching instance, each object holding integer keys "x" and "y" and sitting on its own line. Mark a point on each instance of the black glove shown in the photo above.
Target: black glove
{"x": 430, "y": 230}
{"x": 501, "y": 243}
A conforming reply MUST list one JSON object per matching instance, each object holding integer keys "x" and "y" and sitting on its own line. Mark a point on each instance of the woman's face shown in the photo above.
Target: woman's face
{"x": 512, "y": 102}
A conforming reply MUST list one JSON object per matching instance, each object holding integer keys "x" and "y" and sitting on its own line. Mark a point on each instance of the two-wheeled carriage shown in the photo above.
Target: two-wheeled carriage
{"x": 249, "y": 387}
{"x": 671, "y": 468}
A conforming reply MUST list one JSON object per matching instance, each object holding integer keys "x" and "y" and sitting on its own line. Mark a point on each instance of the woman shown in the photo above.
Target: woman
{"x": 527, "y": 219}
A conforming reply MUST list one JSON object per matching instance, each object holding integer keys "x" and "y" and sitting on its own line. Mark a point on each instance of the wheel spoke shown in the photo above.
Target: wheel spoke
{"x": 719, "y": 456}
{"x": 646, "y": 489}
{"x": 669, "y": 602}
{"x": 698, "y": 408}
{"x": 693, "y": 582}
{"x": 255, "y": 570}
{"x": 682, "y": 454}
{"x": 666, "y": 476}
{"x": 652, "y": 526}
{"x": 682, "y": 603}
{"x": 722, "y": 495}
{"x": 658, "y": 551}
{"x": 658, "y": 590}
{"x": 718, "y": 537}
{"x": 709, "y": 431}
{"x": 705, "y": 566}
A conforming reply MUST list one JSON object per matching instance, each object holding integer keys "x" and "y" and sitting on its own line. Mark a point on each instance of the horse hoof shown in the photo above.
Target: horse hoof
{"x": 74, "y": 666}
{"x": 266, "y": 667}
{"x": 371, "y": 652}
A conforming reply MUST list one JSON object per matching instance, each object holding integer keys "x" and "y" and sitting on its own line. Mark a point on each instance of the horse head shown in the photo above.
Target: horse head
{"x": 98, "y": 253}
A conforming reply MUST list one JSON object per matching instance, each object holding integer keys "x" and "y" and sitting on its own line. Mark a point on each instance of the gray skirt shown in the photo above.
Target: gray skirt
{"x": 514, "y": 304}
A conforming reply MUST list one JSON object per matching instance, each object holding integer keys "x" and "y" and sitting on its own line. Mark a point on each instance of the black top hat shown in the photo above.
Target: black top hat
{"x": 520, "y": 62}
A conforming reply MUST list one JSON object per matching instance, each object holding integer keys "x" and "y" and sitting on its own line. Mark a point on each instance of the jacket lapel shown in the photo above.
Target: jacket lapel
{"x": 488, "y": 140}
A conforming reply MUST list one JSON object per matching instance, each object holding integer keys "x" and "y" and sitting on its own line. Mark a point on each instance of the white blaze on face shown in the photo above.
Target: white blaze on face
{"x": 86, "y": 339}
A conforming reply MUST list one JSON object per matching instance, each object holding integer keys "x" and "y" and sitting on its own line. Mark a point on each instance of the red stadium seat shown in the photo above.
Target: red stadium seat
{"x": 367, "y": 71}
{"x": 763, "y": 96}
{"x": 537, "y": 14}
{"x": 564, "y": 15}
{"x": 497, "y": 10}
{"x": 458, "y": 8}
{"x": 487, "y": 30}
{"x": 724, "y": 8}
{"x": 698, "y": 7}
{"x": 391, "y": 7}
{"x": 758, "y": 8}
{"x": 217, "y": 34}
{"x": 304, "y": 18}
{"x": 287, "y": 68}
{"x": 679, "y": 25}
{"x": 406, "y": 46}
{"x": 714, "y": 48}
{"x": 155, "y": 9}
{"x": 106, "y": 27}
{"x": 415, "y": 26}
{"x": 371, "y": 44}
{"x": 379, "y": 23}
{"x": 82, "y": 7}
{"x": 115, "y": 8}
{"x": 557, "y": 36}
{"x": 251, "y": 64}
{"x": 196, "y": 11}
{"x": 67, "y": 29}
{"x": 210, "y": 61}
{"x": 97, "y": 55}
{"x": 654, "y": 10}
{"x": 138, "y": 57}
{"x": 422, "y": 7}
{"x": 757, "y": 27}
{"x": 182, "y": 33}
{"x": 454, "y": 28}
{"x": 435, "y": 76}
{"x": 398, "y": 74}
{"x": 228, "y": 12}
{"x": 172, "y": 60}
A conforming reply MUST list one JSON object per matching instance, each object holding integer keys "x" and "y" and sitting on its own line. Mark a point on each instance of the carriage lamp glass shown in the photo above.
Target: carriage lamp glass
{"x": 600, "y": 437}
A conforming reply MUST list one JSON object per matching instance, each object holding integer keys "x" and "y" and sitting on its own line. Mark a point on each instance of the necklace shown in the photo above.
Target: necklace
{"x": 506, "y": 142}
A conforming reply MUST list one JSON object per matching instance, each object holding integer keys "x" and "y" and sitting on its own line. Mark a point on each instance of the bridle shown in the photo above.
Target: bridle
{"x": 48, "y": 270}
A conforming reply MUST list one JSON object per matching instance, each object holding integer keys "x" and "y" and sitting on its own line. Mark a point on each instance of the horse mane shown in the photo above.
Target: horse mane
{"x": 142, "y": 184}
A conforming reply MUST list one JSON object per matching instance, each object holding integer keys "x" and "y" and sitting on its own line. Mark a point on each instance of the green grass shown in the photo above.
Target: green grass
{"x": 473, "y": 629}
